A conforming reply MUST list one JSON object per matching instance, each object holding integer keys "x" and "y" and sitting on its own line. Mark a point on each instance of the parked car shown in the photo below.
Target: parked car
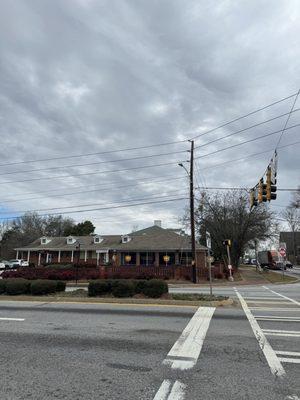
{"x": 18, "y": 263}
{"x": 288, "y": 264}
{"x": 3, "y": 267}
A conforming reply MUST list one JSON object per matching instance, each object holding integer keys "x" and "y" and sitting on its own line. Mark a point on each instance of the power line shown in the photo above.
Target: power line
{"x": 94, "y": 154}
{"x": 240, "y": 188}
{"x": 94, "y": 163}
{"x": 287, "y": 120}
{"x": 247, "y": 141}
{"x": 243, "y": 116}
{"x": 91, "y": 204}
{"x": 90, "y": 173}
{"x": 148, "y": 146}
{"x": 246, "y": 157}
{"x": 144, "y": 166}
{"x": 105, "y": 188}
{"x": 245, "y": 129}
{"x": 103, "y": 208}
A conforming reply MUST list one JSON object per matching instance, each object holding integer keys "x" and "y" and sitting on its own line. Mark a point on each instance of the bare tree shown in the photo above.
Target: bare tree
{"x": 227, "y": 216}
{"x": 292, "y": 216}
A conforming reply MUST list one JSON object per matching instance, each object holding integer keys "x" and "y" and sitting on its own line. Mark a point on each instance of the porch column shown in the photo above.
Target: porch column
{"x": 156, "y": 259}
{"x": 58, "y": 258}
{"x": 17, "y": 256}
{"x": 28, "y": 255}
{"x": 176, "y": 258}
{"x": 47, "y": 258}
{"x": 72, "y": 256}
{"x": 98, "y": 256}
{"x": 39, "y": 259}
{"x": 107, "y": 256}
{"x": 138, "y": 259}
{"x": 85, "y": 255}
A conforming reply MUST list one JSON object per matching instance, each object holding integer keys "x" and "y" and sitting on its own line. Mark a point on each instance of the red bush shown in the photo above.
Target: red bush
{"x": 53, "y": 274}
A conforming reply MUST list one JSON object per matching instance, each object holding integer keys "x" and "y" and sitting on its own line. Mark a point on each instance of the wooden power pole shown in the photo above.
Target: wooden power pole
{"x": 192, "y": 215}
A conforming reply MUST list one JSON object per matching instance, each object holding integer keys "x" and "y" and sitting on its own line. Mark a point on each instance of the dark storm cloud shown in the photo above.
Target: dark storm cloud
{"x": 87, "y": 76}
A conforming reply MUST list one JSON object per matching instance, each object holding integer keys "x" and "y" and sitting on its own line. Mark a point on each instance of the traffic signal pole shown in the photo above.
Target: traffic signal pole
{"x": 192, "y": 216}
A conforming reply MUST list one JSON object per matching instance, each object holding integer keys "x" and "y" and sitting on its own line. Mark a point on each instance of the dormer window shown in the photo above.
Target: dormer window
{"x": 45, "y": 240}
{"x": 126, "y": 239}
{"x": 98, "y": 239}
{"x": 71, "y": 240}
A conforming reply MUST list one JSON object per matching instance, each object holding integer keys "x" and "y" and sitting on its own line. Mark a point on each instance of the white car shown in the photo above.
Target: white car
{"x": 2, "y": 268}
{"x": 18, "y": 263}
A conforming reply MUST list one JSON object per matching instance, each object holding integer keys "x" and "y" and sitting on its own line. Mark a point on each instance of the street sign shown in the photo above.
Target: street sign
{"x": 282, "y": 252}
{"x": 230, "y": 267}
{"x": 208, "y": 240}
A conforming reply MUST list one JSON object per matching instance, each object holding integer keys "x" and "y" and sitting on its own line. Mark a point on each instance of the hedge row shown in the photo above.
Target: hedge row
{"x": 15, "y": 286}
{"x": 68, "y": 273}
{"x": 127, "y": 288}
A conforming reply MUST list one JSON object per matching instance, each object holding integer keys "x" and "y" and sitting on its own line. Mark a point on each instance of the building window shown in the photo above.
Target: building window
{"x": 44, "y": 241}
{"x": 126, "y": 239}
{"x": 97, "y": 239}
{"x": 147, "y": 258}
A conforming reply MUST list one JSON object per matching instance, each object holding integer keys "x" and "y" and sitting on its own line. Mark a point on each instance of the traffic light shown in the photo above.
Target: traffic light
{"x": 271, "y": 189}
{"x": 253, "y": 199}
{"x": 262, "y": 191}
{"x": 227, "y": 242}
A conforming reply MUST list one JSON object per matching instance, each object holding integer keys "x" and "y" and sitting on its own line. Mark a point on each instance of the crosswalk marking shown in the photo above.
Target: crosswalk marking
{"x": 169, "y": 392}
{"x": 288, "y": 353}
{"x": 271, "y": 357}
{"x": 185, "y": 352}
{"x": 290, "y": 360}
{"x": 281, "y": 295}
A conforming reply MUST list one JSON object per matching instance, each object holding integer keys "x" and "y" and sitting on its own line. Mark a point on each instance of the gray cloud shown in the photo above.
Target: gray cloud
{"x": 86, "y": 76}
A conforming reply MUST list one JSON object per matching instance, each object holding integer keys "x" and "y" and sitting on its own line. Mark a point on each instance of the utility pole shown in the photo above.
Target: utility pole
{"x": 190, "y": 174}
{"x": 192, "y": 215}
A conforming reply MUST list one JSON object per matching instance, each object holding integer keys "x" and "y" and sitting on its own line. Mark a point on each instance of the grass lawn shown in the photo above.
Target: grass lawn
{"x": 275, "y": 277}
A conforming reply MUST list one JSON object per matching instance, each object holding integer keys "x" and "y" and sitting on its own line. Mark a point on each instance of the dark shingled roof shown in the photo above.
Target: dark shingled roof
{"x": 153, "y": 238}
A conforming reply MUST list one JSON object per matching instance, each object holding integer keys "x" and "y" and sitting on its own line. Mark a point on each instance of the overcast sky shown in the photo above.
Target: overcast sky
{"x": 84, "y": 76}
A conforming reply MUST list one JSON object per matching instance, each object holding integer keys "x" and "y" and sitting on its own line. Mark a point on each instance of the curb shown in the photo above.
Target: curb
{"x": 124, "y": 302}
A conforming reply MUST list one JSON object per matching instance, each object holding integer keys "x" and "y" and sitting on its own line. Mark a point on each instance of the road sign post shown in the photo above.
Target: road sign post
{"x": 209, "y": 259}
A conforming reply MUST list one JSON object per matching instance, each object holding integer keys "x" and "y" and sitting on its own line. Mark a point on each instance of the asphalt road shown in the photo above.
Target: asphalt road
{"x": 76, "y": 351}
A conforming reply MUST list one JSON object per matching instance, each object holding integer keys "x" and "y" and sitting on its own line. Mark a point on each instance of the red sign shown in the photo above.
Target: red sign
{"x": 282, "y": 252}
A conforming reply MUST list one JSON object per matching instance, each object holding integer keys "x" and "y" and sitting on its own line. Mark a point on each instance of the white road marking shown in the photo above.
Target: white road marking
{"x": 271, "y": 357}
{"x": 260, "y": 298}
{"x": 282, "y": 334}
{"x": 281, "y": 295}
{"x": 12, "y": 319}
{"x": 275, "y": 309}
{"x": 277, "y": 319}
{"x": 290, "y": 360}
{"x": 185, "y": 352}
{"x": 280, "y": 331}
{"x": 269, "y": 302}
{"x": 288, "y": 353}
{"x": 165, "y": 392}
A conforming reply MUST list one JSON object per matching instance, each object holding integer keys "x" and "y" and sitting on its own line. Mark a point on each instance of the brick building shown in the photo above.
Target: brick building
{"x": 153, "y": 246}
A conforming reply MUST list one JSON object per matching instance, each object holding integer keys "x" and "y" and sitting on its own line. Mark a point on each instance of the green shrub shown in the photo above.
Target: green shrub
{"x": 139, "y": 286}
{"x": 43, "y": 286}
{"x": 99, "y": 287}
{"x": 2, "y": 286}
{"x": 155, "y": 288}
{"x": 123, "y": 288}
{"x": 16, "y": 286}
{"x": 60, "y": 286}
